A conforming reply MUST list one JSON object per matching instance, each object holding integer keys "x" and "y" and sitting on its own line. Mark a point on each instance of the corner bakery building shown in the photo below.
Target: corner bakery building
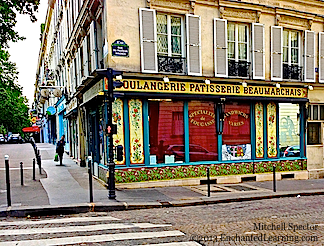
{"x": 176, "y": 129}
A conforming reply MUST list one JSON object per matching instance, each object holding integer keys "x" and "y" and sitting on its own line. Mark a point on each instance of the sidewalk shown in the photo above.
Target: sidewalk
{"x": 65, "y": 189}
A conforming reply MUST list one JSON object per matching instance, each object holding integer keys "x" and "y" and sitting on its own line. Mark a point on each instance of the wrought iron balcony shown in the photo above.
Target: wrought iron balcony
{"x": 171, "y": 64}
{"x": 239, "y": 68}
{"x": 293, "y": 72}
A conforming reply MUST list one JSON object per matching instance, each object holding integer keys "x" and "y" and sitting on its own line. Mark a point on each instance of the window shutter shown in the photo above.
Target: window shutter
{"x": 276, "y": 53}
{"x": 309, "y": 56}
{"x": 79, "y": 66}
{"x": 220, "y": 48}
{"x": 321, "y": 57}
{"x": 148, "y": 40}
{"x": 93, "y": 47}
{"x": 193, "y": 45}
{"x": 72, "y": 77}
{"x": 258, "y": 51}
{"x": 85, "y": 57}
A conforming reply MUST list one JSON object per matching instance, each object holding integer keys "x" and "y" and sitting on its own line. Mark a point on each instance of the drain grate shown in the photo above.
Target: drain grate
{"x": 240, "y": 187}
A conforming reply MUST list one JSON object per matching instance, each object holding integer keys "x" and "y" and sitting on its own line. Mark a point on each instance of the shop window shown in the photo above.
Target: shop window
{"x": 166, "y": 131}
{"x": 289, "y": 137}
{"x": 237, "y": 132}
{"x": 202, "y": 131}
{"x": 314, "y": 133}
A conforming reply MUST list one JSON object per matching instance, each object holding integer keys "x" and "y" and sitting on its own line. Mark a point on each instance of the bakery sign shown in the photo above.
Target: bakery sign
{"x": 202, "y": 118}
{"x": 200, "y": 88}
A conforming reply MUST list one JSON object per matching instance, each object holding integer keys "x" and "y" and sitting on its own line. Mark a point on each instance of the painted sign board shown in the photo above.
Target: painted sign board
{"x": 210, "y": 89}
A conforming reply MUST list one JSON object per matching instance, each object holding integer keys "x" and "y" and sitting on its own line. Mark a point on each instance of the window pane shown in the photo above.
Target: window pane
{"x": 242, "y": 33}
{"x": 313, "y": 133}
{"x": 242, "y": 51}
{"x": 162, "y": 44}
{"x": 285, "y": 55}
{"x": 175, "y": 25}
{"x": 237, "y": 132}
{"x": 176, "y": 45}
{"x": 285, "y": 38}
{"x": 161, "y": 21}
{"x": 231, "y": 32}
{"x": 294, "y": 56}
{"x": 294, "y": 39}
{"x": 322, "y": 112}
{"x": 289, "y": 140}
{"x": 166, "y": 130}
{"x": 315, "y": 112}
{"x": 202, "y": 131}
{"x": 231, "y": 50}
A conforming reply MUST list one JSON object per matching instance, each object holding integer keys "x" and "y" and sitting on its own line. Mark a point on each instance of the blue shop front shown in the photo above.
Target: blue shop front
{"x": 176, "y": 129}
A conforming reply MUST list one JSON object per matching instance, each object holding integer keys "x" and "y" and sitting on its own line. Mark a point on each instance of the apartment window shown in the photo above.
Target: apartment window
{"x": 315, "y": 113}
{"x": 169, "y": 43}
{"x": 238, "y": 46}
{"x": 291, "y": 55}
{"x": 163, "y": 38}
{"x": 314, "y": 133}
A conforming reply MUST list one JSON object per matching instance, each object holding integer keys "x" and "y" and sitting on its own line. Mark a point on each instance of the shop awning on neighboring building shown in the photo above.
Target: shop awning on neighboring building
{"x": 31, "y": 129}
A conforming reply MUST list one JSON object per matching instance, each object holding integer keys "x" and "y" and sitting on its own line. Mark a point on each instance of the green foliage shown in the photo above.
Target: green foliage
{"x": 8, "y": 9}
{"x": 13, "y": 106}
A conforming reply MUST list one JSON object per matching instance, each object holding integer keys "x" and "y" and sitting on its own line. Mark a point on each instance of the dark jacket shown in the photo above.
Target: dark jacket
{"x": 60, "y": 147}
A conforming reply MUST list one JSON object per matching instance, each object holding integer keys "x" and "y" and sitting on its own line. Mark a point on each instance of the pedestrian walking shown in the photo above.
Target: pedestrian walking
{"x": 60, "y": 149}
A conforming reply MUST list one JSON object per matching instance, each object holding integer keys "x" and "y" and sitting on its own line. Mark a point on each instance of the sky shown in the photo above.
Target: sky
{"x": 25, "y": 53}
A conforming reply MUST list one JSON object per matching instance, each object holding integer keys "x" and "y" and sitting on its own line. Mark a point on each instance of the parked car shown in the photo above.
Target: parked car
{"x": 15, "y": 138}
{"x": 292, "y": 151}
{"x": 2, "y": 139}
{"x": 196, "y": 153}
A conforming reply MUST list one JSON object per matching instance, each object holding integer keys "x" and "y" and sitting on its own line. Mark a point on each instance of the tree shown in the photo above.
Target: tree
{"x": 13, "y": 106}
{"x": 8, "y": 9}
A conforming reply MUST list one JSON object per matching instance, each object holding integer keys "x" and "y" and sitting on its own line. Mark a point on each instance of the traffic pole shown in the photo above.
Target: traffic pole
{"x": 111, "y": 163}
{"x": 7, "y": 180}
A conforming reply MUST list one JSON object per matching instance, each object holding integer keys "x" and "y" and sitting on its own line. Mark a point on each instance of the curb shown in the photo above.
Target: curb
{"x": 49, "y": 210}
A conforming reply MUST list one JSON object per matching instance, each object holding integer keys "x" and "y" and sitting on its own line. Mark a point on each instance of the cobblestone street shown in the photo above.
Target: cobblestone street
{"x": 239, "y": 218}
{"x": 283, "y": 221}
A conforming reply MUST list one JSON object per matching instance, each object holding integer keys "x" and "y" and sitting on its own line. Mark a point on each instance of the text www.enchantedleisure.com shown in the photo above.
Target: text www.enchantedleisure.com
{"x": 262, "y": 237}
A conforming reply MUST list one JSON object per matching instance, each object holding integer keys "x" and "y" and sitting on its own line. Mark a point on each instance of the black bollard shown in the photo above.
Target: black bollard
{"x": 34, "y": 163}
{"x": 21, "y": 174}
{"x": 40, "y": 164}
{"x": 274, "y": 177}
{"x": 208, "y": 182}
{"x": 8, "y": 180}
{"x": 90, "y": 178}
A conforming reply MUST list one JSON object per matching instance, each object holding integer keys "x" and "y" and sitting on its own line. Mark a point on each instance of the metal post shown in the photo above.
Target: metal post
{"x": 90, "y": 178}
{"x": 111, "y": 164}
{"x": 40, "y": 164}
{"x": 7, "y": 180}
{"x": 34, "y": 169}
{"x": 21, "y": 174}
{"x": 274, "y": 177}
{"x": 208, "y": 183}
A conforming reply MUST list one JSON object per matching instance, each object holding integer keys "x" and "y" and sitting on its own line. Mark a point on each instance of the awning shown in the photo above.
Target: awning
{"x": 31, "y": 129}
